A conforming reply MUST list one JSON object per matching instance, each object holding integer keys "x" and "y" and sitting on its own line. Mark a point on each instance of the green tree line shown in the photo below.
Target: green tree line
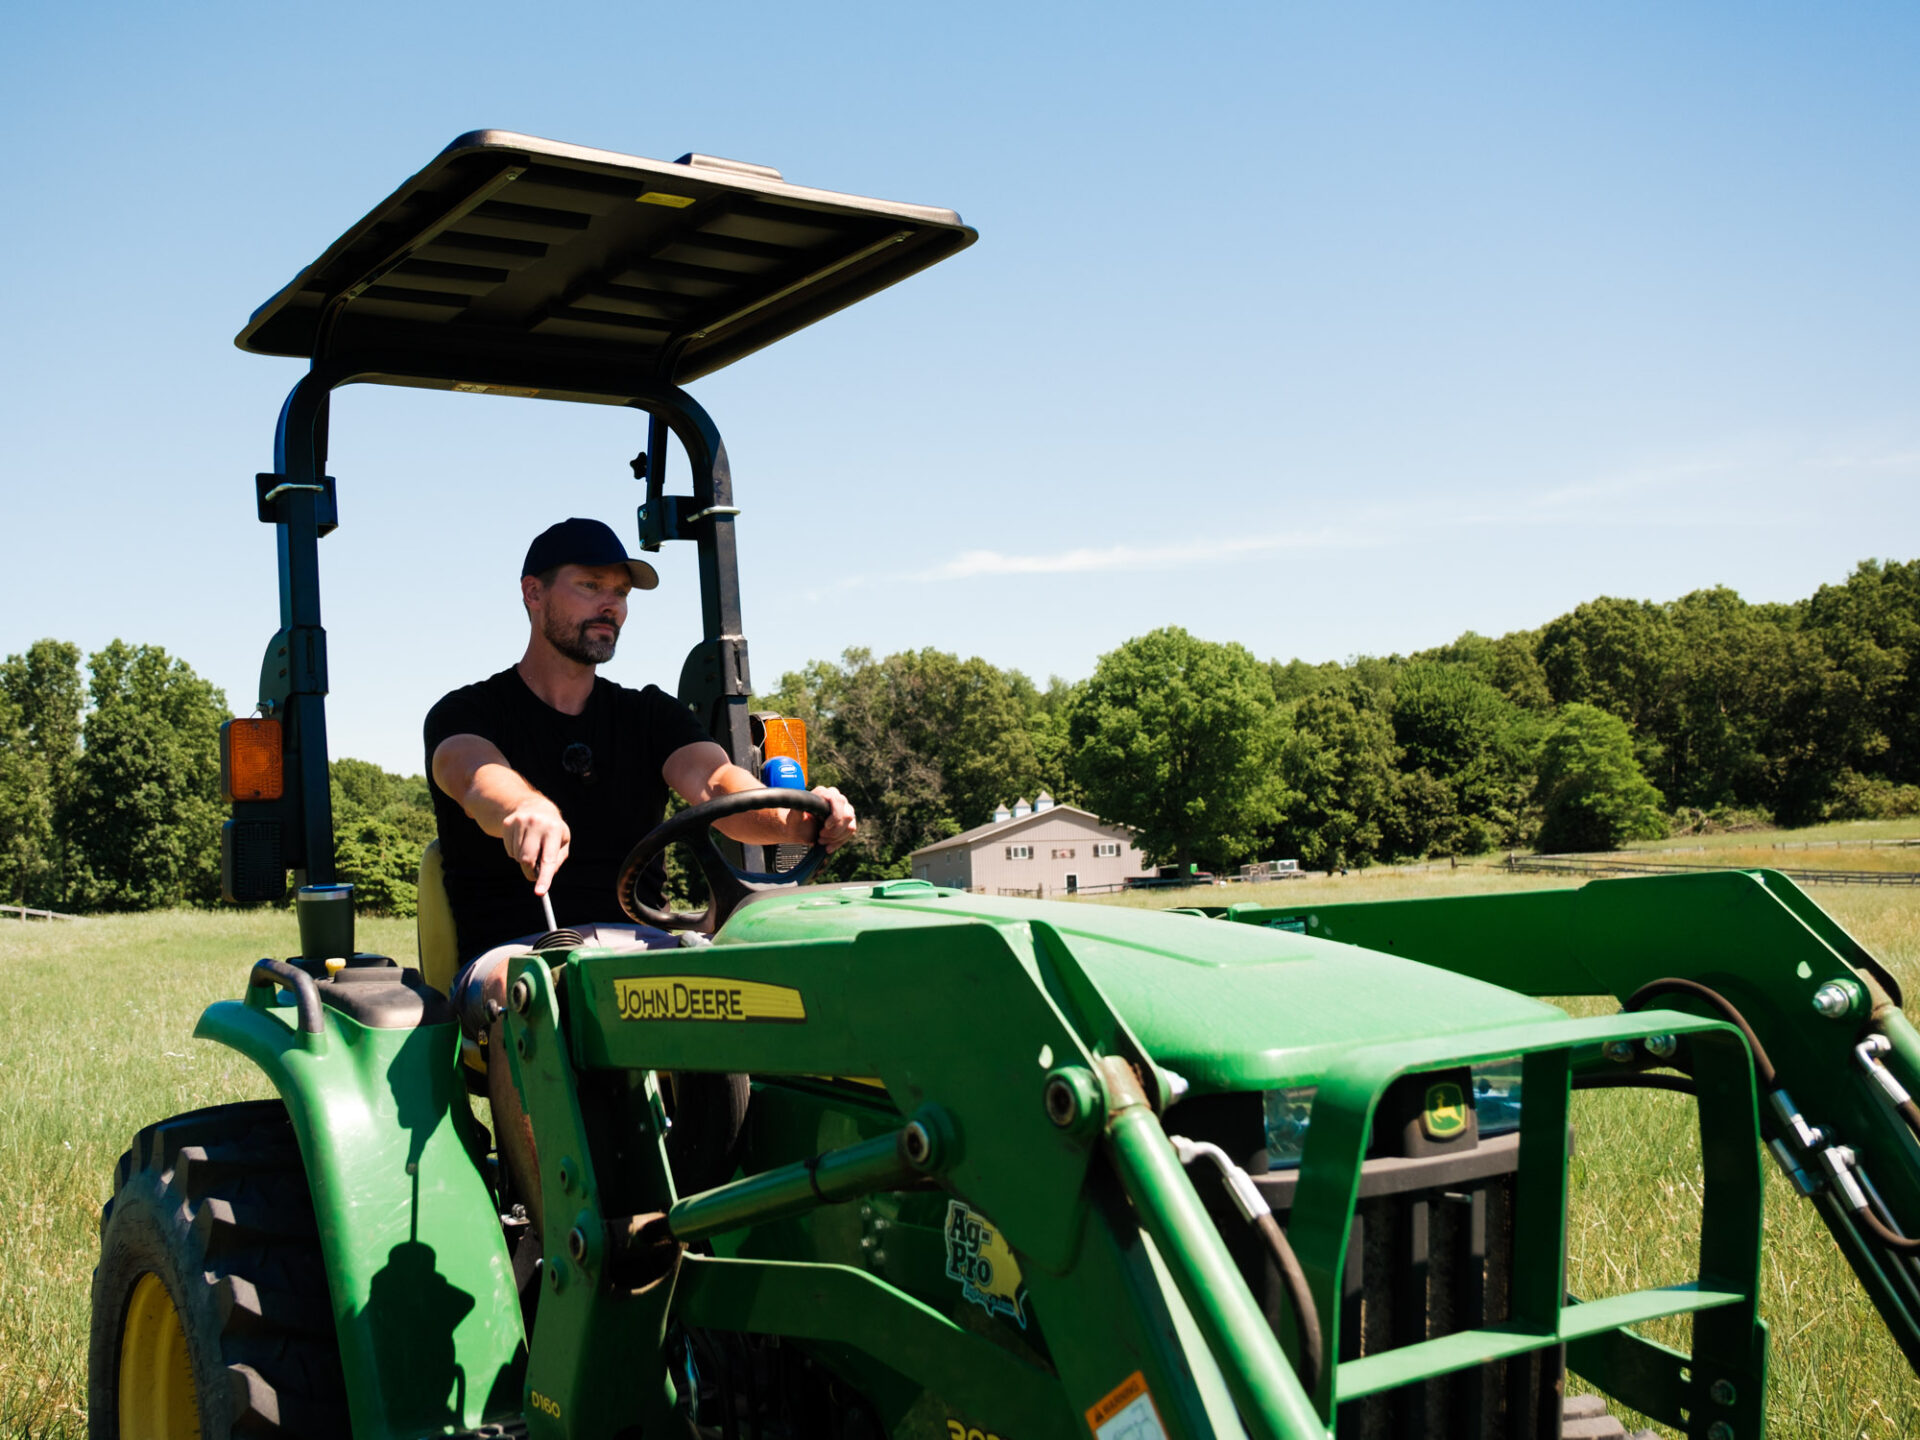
{"x": 110, "y": 789}
{"x": 1621, "y": 719}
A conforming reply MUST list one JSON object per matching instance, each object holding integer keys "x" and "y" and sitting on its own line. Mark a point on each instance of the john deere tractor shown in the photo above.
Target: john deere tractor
{"x": 888, "y": 1161}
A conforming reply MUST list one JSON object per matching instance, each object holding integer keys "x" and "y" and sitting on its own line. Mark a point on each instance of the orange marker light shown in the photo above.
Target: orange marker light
{"x": 786, "y": 736}
{"x": 251, "y": 761}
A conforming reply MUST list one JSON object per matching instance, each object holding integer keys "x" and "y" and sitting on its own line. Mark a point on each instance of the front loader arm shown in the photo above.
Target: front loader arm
{"x": 1153, "y": 1300}
{"x": 1834, "y": 1051}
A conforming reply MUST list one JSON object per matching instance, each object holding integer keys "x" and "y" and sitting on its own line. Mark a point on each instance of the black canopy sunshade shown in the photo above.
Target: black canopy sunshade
{"x": 511, "y": 259}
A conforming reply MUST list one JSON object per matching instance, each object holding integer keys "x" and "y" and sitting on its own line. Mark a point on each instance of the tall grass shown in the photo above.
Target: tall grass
{"x": 99, "y": 1014}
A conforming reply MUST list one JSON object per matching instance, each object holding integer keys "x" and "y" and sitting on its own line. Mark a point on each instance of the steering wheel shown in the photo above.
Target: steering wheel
{"x": 728, "y": 886}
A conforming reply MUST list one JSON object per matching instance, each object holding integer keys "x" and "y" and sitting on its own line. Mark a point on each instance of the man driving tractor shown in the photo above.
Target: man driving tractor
{"x": 547, "y": 773}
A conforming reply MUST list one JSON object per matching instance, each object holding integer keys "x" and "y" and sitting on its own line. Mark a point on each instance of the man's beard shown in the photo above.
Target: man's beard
{"x": 579, "y": 645}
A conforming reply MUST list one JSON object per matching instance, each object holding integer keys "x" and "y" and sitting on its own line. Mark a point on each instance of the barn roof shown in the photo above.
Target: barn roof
{"x": 997, "y": 828}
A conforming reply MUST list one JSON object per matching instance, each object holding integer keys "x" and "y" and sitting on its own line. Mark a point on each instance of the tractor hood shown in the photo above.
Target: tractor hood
{"x": 1229, "y": 1007}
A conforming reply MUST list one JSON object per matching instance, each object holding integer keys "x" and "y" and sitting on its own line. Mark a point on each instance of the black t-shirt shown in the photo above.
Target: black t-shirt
{"x": 628, "y": 735}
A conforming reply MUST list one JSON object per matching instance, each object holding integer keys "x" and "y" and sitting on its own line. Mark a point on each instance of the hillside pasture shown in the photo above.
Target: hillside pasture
{"x": 102, "y": 1012}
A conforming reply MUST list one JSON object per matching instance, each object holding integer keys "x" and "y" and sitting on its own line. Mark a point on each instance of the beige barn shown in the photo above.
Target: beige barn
{"x": 1043, "y": 849}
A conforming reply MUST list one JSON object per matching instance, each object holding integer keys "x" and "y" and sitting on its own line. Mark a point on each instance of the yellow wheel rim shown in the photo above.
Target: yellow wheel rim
{"x": 156, "y": 1375}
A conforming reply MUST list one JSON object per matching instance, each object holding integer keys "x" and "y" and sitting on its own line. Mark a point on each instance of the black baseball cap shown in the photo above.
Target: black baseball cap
{"x": 584, "y": 542}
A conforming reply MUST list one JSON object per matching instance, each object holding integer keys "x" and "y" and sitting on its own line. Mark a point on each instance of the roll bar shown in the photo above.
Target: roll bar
{"x": 265, "y": 838}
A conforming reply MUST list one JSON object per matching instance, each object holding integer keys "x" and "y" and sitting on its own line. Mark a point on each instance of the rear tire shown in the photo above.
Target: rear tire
{"x": 211, "y": 1278}
{"x": 708, "y": 1113}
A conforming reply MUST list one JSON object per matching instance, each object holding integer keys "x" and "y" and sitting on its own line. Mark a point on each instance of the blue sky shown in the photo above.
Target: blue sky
{"x": 1330, "y": 330}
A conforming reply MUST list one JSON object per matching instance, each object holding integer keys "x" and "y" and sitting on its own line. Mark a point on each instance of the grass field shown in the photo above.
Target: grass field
{"x": 101, "y": 1012}
{"x": 1843, "y": 845}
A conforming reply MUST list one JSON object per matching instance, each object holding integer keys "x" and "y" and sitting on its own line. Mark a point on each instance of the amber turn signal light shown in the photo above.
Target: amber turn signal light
{"x": 786, "y": 736}
{"x": 251, "y": 763}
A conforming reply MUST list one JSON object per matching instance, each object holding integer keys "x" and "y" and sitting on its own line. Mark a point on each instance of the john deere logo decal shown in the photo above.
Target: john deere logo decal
{"x": 978, "y": 1257}
{"x": 1446, "y": 1111}
{"x": 706, "y": 997}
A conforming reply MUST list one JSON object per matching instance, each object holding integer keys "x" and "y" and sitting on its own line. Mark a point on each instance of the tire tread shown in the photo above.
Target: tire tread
{"x": 229, "y": 1195}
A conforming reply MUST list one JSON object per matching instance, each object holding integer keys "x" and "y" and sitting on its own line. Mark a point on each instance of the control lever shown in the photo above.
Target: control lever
{"x": 556, "y": 938}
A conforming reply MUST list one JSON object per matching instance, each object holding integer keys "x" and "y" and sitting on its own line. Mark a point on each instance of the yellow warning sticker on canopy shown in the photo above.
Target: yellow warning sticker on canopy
{"x": 474, "y": 387}
{"x": 1127, "y": 1413}
{"x": 661, "y": 197}
{"x": 706, "y": 997}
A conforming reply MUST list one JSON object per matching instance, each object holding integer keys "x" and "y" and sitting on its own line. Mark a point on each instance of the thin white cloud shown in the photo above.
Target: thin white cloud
{"x": 1089, "y": 560}
{"x": 1897, "y": 462}
{"x": 1709, "y": 490}
{"x": 1082, "y": 560}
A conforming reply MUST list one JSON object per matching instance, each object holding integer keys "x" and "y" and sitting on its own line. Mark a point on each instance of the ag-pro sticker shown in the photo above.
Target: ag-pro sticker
{"x": 706, "y": 997}
{"x": 979, "y": 1258}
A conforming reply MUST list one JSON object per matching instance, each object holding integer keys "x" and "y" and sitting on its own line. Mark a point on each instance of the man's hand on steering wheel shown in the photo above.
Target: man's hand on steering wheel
{"x": 840, "y": 826}
{"x": 729, "y": 886}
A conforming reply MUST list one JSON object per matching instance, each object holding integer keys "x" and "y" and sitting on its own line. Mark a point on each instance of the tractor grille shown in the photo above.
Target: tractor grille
{"x": 1431, "y": 1253}
{"x": 1427, "y": 1263}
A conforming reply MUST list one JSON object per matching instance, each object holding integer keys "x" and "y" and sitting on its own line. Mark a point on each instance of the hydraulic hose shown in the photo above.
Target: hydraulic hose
{"x": 1312, "y": 1344}
{"x": 1673, "y": 985}
{"x": 1253, "y": 1207}
{"x": 1838, "y": 1161}
{"x": 1864, "y": 1213}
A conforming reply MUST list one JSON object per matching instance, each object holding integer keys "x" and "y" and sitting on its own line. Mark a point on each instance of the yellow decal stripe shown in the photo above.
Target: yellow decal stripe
{"x": 707, "y": 997}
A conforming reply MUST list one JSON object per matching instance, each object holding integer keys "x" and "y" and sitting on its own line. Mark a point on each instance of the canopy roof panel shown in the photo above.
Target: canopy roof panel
{"x": 511, "y": 256}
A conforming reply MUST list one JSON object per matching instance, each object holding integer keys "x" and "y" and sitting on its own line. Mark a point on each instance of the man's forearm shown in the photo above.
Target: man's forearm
{"x": 701, "y": 771}
{"x": 496, "y": 794}
{"x": 497, "y": 798}
{"x": 759, "y": 827}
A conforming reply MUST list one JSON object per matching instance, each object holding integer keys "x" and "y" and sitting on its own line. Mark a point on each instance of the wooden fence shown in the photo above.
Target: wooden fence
{"x": 1620, "y": 865}
{"x": 21, "y": 912}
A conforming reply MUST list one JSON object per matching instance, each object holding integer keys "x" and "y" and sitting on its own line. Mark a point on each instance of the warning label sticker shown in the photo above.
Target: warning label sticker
{"x": 1127, "y": 1413}
{"x": 707, "y": 997}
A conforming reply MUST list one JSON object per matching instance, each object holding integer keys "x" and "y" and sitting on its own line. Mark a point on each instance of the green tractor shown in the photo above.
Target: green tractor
{"x": 894, "y": 1162}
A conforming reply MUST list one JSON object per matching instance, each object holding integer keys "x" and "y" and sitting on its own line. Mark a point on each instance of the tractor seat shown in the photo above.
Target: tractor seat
{"x": 439, "y": 947}
{"x": 438, "y": 944}
{"x": 710, "y": 1109}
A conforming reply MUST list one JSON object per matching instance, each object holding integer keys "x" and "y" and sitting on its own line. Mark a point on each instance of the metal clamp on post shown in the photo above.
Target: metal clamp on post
{"x": 272, "y": 492}
{"x": 673, "y": 517}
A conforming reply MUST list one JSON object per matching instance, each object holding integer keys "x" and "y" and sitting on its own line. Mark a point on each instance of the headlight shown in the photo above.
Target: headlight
{"x": 1496, "y": 1095}
{"x": 1289, "y": 1110}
